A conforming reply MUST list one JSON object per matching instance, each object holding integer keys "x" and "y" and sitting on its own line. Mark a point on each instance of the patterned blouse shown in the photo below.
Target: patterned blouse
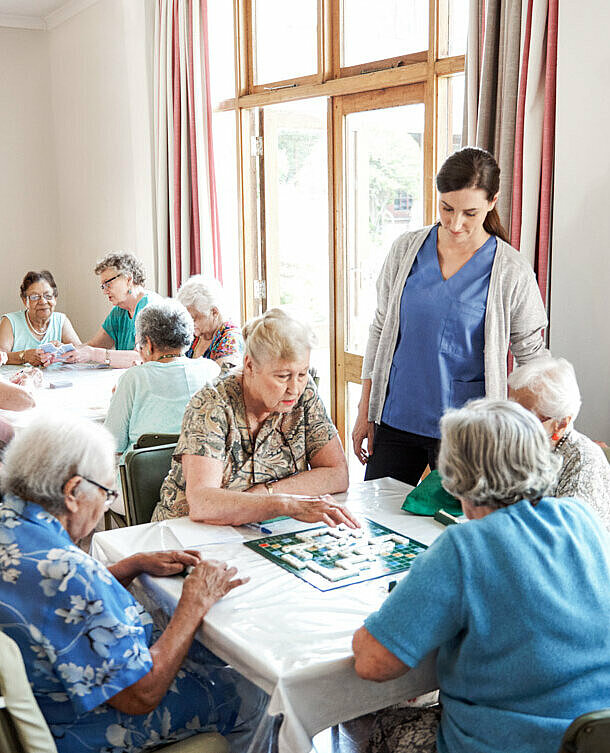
{"x": 227, "y": 342}
{"x": 585, "y": 474}
{"x": 215, "y": 426}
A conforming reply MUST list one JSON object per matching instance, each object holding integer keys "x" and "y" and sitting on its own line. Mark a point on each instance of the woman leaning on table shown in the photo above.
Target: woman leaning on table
{"x": 122, "y": 279}
{"x": 23, "y": 332}
{"x": 451, "y": 299}
{"x": 259, "y": 443}
{"x": 104, "y": 680}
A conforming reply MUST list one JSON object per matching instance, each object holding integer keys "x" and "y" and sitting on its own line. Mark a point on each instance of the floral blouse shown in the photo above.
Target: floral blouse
{"x": 585, "y": 473}
{"x": 215, "y": 426}
{"x": 227, "y": 342}
{"x": 84, "y": 638}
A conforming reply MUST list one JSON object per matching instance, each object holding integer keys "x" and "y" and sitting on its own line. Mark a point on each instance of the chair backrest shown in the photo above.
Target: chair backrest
{"x": 589, "y": 733}
{"x": 22, "y": 726}
{"x": 154, "y": 440}
{"x": 607, "y": 452}
{"x": 142, "y": 473}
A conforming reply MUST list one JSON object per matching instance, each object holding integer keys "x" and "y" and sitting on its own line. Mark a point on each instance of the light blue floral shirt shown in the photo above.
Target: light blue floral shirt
{"x": 84, "y": 638}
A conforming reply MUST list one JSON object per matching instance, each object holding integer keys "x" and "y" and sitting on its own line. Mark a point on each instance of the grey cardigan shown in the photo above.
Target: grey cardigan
{"x": 514, "y": 316}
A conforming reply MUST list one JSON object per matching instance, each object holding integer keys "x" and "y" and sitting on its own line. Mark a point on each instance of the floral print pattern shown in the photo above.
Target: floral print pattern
{"x": 84, "y": 638}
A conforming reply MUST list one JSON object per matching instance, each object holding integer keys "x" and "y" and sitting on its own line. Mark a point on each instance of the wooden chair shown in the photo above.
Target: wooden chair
{"x": 23, "y": 728}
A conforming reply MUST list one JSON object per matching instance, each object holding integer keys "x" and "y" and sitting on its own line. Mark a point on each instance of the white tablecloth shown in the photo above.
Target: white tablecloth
{"x": 88, "y": 396}
{"x": 283, "y": 634}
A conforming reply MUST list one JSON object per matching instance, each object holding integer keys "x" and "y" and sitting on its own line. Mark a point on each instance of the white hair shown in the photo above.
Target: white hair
{"x": 50, "y": 451}
{"x": 495, "y": 453}
{"x": 203, "y": 294}
{"x": 275, "y": 335}
{"x": 552, "y": 383}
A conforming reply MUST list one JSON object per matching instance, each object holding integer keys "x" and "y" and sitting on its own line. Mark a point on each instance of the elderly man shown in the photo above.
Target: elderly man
{"x": 102, "y": 679}
{"x": 516, "y": 600}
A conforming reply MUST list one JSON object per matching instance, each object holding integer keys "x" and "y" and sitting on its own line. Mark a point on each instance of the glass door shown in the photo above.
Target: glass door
{"x": 381, "y": 191}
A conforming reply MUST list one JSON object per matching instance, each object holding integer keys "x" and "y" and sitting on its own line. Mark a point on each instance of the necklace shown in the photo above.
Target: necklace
{"x": 169, "y": 355}
{"x": 561, "y": 442}
{"x": 33, "y": 328}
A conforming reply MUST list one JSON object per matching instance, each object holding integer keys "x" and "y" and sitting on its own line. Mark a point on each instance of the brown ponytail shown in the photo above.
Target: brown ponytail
{"x": 472, "y": 167}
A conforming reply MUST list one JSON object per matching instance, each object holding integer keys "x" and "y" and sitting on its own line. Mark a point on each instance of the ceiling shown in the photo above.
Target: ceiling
{"x": 33, "y": 8}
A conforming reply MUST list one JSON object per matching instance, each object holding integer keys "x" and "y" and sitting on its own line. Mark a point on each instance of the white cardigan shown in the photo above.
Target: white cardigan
{"x": 515, "y": 317}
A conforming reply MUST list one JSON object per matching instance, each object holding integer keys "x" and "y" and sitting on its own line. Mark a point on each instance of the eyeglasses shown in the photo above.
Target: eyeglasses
{"x": 104, "y": 285}
{"x": 35, "y": 297}
{"x": 111, "y": 494}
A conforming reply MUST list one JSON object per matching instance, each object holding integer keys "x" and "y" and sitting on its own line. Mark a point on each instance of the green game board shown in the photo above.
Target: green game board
{"x": 329, "y": 558}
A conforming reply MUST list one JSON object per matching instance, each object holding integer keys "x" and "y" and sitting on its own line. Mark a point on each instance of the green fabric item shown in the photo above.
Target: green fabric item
{"x": 429, "y": 497}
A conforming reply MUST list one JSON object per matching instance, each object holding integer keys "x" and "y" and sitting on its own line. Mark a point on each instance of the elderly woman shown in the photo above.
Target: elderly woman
{"x": 100, "y": 680}
{"x": 22, "y": 333}
{"x": 216, "y": 337}
{"x": 259, "y": 444}
{"x": 548, "y": 388}
{"x": 122, "y": 279}
{"x": 516, "y": 600}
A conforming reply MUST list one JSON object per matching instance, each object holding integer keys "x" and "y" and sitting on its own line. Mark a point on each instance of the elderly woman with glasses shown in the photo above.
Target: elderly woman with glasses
{"x": 100, "y": 677}
{"x": 515, "y": 601}
{"x": 122, "y": 279}
{"x": 549, "y": 389}
{"x": 23, "y": 333}
{"x": 259, "y": 444}
{"x": 216, "y": 336}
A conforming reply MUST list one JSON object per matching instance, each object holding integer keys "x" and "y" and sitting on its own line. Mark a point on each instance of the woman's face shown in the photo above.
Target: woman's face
{"x": 277, "y": 384}
{"x": 91, "y": 507}
{"x": 115, "y": 285}
{"x": 42, "y": 308}
{"x": 462, "y": 213}
{"x": 203, "y": 323}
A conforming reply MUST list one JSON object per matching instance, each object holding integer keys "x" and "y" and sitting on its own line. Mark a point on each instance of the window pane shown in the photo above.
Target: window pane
{"x": 225, "y": 161}
{"x": 450, "y": 115}
{"x": 296, "y": 220}
{"x": 452, "y": 27}
{"x": 384, "y": 194}
{"x": 285, "y": 39}
{"x": 396, "y": 27}
{"x": 221, "y": 50}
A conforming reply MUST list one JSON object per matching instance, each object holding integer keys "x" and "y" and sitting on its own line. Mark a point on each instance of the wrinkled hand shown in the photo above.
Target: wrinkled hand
{"x": 208, "y": 582}
{"x": 363, "y": 429}
{"x": 164, "y": 564}
{"x": 37, "y": 357}
{"x": 28, "y": 378}
{"x": 80, "y": 354}
{"x": 321, "y": 509}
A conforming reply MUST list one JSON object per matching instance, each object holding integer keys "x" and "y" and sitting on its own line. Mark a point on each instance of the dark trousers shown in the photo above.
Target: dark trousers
{"x": 401, "y": 455}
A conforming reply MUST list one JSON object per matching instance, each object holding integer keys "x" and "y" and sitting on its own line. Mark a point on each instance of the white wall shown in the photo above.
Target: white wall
{"x": 580, "y": 275}
{"x": 28, "y": 184}
{"x": 101, "y": 67}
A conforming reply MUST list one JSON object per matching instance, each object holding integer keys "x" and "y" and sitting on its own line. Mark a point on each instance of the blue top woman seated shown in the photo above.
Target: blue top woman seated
{"x": 23, "y": 332}
{"x": 122, "y": 278}
{"x": 97, "y": 672}
{"x": 516, "y": 600}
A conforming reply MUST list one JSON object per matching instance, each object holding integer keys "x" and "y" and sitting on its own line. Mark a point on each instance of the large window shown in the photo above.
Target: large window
{"x": 343, "y": 110}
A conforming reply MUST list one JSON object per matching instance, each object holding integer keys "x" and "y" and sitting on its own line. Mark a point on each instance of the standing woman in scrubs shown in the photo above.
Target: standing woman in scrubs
{"x": 451, "y": 299}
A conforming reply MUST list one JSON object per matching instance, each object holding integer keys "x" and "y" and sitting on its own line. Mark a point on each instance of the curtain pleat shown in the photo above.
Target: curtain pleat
{"x": 188, "y": 236}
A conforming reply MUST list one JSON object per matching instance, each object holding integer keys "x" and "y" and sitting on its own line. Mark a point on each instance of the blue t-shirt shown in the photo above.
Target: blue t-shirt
{"x": 438, "y": 362}
{"x": 121, "y": 327}
{"x": 518, "y": 605}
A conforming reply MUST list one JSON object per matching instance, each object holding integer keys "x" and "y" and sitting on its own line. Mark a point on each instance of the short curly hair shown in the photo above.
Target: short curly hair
{"x": 167, "y": 323}
{"x": 275, "y": 335}
{"x": 32, "y": 277}
{"x": 125, "y": 264}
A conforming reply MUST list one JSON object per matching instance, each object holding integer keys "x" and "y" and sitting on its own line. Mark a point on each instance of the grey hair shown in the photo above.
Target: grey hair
{"x": 495, "y": 453}
{"x": 50, "y": 451}
{"x": 275, "y": 335}
{"x": 203, "y": 294}
{"x": 552, "y": 382}
{"x": 167, "y": 323}
{"x": 125, "y": 264}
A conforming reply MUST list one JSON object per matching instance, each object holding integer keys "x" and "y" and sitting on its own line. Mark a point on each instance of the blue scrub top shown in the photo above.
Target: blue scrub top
{"x": 438, "y": 362}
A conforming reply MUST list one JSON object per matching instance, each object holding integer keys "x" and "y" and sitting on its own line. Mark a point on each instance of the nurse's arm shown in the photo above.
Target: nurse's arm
{"x": 373, "y": 660}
